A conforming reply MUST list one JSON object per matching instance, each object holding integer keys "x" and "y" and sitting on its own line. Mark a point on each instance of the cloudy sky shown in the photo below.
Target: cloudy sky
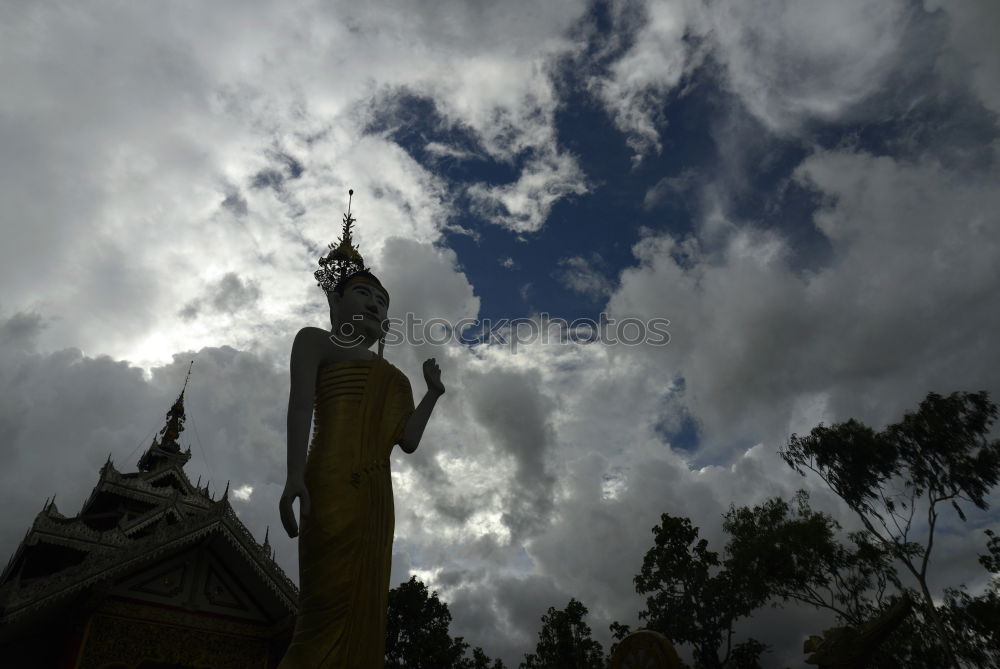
{"x": 807, "y": 190}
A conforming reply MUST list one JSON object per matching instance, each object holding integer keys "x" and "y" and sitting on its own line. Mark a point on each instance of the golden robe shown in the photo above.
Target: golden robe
{"x": 345, "y": 542}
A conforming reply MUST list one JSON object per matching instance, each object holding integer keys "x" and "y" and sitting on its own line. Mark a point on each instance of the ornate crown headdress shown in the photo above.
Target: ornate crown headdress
{"x": 343, "y": 260}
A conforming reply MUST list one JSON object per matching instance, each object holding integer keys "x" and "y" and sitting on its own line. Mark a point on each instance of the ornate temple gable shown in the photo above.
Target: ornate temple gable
{"x": 133, "y": 526}
{"x": 248, "y": 560}
{"x": 166, "y": 515}
{"x": 116, "y": 512}
{"x": 53, "y": 543}
{"x": 73, "y": 532}
{"x": 141, "y": 488}
{"x": 172, "y": 479}
{"x": 141, "y": 525}
{"x": 196, "y": 579}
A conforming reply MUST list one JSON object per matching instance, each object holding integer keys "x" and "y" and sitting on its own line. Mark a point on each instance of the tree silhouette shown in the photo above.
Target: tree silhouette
{"x": 417, "y": 630}
{"x": 564, "y": 641}
{"x": 938, "y": 454}
{"x": 618, "y": 633}
{"x": 694, "y": 598}
{"x": 974, "y": 622}
{"x": 480, "y": 660}
{"x": 791, "y": 552}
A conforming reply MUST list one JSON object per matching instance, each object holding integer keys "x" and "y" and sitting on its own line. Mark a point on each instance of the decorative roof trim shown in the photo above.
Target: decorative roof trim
{"x": 32, "y": 597}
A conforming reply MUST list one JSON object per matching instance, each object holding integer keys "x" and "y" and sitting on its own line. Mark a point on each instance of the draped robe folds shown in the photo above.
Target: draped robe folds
{"x": 345, "y": 542}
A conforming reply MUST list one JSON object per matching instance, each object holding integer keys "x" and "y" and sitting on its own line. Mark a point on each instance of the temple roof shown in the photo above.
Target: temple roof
{"x": 129, "y": 521}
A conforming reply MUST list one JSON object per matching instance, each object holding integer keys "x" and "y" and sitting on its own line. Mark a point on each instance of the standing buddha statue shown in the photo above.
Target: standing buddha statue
{"x": 363, "y": 407}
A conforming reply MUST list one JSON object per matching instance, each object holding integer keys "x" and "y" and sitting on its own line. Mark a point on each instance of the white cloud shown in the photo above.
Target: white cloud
{"x": 636, "y": 85}
{"x": 912, "y": 266}
{"x": 579, "y": 274}
{"x": 791, "y": 62}
{"x": 524, "y": 206}
{"x": 243, "y": 493}
{"x": 447, "y": 151}
{"x": 122, "y": 156}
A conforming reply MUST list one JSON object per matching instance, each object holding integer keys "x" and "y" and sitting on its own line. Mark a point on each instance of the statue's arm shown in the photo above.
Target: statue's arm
{"x": 414, "y": 428}
{"x": 302, "y": 368}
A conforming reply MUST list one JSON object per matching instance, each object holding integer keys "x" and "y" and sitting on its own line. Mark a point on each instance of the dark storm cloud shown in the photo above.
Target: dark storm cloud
{"x": 500, "y": 613}
{"x": 189, "y": 311}
{"x": 457, "y": 509}
{"x": 293, "y": 166}
{"x": 269, "y": 178}
{"x": 228, "y": 295}
{"x": 523, "y": 601}
{"x": 236, "y": 203}
{"x": 971, "y": 56}
{"x": 275, "y": 178}
{"x": 233, "y": 293}
{"x": 20, "y": 330}
{"x": 415, "y": 123}
{"x": 511, "y": 406}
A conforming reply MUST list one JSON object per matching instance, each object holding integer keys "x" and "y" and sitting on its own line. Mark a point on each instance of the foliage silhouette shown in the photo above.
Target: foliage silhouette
{"x": 974, "y": 622}
{"x": 793, "y": 553}
{"x": 564, "y": 641}
{"x": 938, "y": 454}
{"x": 696, "y": 599}
{"x": 417, "y": 634}
{"x": 480, "y": 660}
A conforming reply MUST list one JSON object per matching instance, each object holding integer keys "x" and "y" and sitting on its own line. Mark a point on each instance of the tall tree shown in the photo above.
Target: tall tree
{"x": 417, "y": 630}
{"x": 796, "y": 553}
{"x": 694, "y": 598}
{"x": 788, "y": 551}
{"x": 939, "y": 454}
{"x": 564, "y": 641}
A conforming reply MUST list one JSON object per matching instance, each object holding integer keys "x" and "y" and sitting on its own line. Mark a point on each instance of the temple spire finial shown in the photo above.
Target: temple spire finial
{"x": 175, "y": 418}
{"x": 170, "y": 433}
{"x": 187, "y": 377}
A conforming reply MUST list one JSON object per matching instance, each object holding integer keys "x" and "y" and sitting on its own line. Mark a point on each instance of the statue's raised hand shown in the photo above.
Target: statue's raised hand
{"x": 432, "y": 375}
{"x": 293, "y": 488}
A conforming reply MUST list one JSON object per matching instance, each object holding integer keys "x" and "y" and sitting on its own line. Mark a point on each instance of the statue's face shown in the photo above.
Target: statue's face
{"x": 363, "y": 306}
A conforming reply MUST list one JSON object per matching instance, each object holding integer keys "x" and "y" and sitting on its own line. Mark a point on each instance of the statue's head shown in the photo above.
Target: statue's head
{"x": 358, "y": 301}
{"x": 359, "y": 306}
